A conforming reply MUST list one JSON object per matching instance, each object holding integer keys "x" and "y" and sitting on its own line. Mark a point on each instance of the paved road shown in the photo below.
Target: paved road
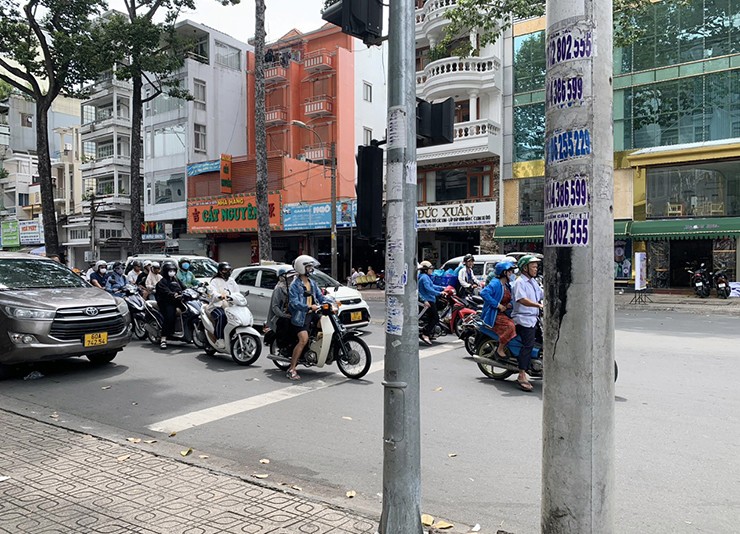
{"x": 678, "y": 428}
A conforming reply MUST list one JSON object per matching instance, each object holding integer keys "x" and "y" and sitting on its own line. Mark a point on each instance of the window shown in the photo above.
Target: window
{"x": 421, "y": 188}
{"x": 529, "y": 132}
{"x": 169, "y": 141}
{"x": 367, "y": 92}
{"x": 269, "y": 279}
{"x": 104, "y": 150}
{"x": 88, "y": 114}
{"x": 367, "y": 136}
{"x": 164, "y": 103}
{"x": 532, "y": 200}
{"x": 199, "y": 137}
{"x": 248, "y": 278}
{"x": 529, "y": 62}
{"x": 463, "y": 183}
{"x": 169, "y": 189}
{"x": 77, "y": 234}
{"x": 23, "y": 199}
{"x": 26, "y": 120}
{"x": 107, "y": 233}
{"x": 228, "y": 56}
{"x": 199, "y": 94}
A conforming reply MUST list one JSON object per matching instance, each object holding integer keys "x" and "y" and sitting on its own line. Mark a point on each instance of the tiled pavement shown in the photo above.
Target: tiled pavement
{"x": 66, "y": 482}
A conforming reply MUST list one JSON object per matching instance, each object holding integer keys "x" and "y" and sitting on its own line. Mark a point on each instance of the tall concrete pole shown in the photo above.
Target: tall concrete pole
{"x": 334, "y": 253}
{"x": 578, "y": 413}
{"x": 401, "y": 442}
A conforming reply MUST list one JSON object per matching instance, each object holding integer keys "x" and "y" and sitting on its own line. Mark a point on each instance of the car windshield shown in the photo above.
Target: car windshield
{"x": 323, "y": 279}
{"x": 36, "y": 274}
{"x": 203, "y": 268}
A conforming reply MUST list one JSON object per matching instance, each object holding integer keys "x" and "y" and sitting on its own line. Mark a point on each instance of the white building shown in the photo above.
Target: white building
{"x": 179, "y": 132}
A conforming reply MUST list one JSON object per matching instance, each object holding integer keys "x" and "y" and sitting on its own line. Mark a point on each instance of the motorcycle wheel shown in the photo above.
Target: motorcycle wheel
{"x": 210, "y": 351}
{"x": 153, "y": 339}
{"x": 704, "y": 292}
{"x": 458, "y": 327}
{"x": 356, "y": 364}
{"x": 487, "y": 349}
{"x": 381, "y": 284}
{"x": 470, "y": 345}
{"x": 199, "y": 335}
{"x": 139, "y": 330}
{"x": 245, "y": 348}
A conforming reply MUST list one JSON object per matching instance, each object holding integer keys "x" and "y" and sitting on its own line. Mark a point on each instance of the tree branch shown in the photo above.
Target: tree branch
{"x": 153, "y": 9}
{"x": 31, "y": 16}
{"x": 19, "y": 74}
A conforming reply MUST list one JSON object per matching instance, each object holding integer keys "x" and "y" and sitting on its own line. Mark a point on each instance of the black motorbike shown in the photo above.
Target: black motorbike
{"x": 722, "y": 284}
{"x": 185, "y": 324}
{"x": 328, "y": 341}
{"x": 136, "y": 307}
{"x": 701, "y": 281}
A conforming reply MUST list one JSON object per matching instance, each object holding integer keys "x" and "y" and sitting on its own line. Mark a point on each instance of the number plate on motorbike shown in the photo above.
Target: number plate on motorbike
{"x": 355, "y": 316}
{"x": 721, "y": 285}
{"x": 95, "y": 340}
{"x": 698, "y": 284}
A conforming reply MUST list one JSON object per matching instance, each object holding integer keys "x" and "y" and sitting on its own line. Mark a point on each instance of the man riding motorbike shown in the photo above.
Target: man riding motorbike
{"x": 527, "y": 295}
{"x": 116, "y": 281}
{"x": 428, "y": 292}
{"x": 133, "y": 274}
{"x": 466, "y": 279}
{"x": 99, "y": 277}
{"x": 186, "y": 277}
{"x": 220, "y": 287}
{"x": 169, "y": 299}
{"x": 304, "y": 300}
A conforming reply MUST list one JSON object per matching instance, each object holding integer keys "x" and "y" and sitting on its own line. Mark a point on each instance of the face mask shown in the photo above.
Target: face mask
{"x": 103, "y": 270}
{"x": 512, "y": 277}
{"x": 171, "y": 273}
{"x": 186, "y": 266}
{"x": 118, "y": 271}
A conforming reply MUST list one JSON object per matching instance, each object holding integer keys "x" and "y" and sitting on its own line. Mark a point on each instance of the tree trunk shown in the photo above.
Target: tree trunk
{"x": 137, "y": 182}
{"x": 263, "y": 207}
{"x": 51, "y": 237}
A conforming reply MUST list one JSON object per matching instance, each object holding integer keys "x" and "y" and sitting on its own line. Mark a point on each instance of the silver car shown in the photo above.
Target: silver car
{"x": 47, "y": 312}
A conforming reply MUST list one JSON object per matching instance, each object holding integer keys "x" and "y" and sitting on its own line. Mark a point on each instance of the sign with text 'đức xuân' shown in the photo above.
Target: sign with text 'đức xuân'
{"x": 457, "y": 215}
{"x": 230, "y": 213}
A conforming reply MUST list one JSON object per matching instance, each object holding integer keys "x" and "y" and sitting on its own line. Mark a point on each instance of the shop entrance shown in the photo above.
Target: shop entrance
{"x": 688, "y": 253}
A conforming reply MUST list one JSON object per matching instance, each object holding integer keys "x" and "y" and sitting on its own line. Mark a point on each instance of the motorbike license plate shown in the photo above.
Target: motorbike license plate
{"x": 699, "y": 284}
{"x": 355, "y": 316}
{"x": 96, "y": 340}
{"x": 722, "y": 286}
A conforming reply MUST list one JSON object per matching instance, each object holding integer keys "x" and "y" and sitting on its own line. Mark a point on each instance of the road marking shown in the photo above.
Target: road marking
{"x": 209, "y": 415}
{"x": 381, "y": 347}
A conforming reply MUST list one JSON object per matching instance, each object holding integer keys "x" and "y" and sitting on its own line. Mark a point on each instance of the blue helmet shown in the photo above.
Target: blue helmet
{"x": 503, "y": 266}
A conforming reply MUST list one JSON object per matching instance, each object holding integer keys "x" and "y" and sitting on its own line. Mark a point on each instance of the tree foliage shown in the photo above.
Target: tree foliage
{"x": 5, "y": 89}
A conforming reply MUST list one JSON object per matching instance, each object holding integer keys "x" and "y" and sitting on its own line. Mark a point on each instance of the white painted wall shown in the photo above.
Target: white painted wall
{"x": 371, "y": 65}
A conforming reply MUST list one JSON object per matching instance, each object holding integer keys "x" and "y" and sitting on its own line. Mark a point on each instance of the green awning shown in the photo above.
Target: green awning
{"x": 708, "y": 228}
{"x": 532, "y": 232}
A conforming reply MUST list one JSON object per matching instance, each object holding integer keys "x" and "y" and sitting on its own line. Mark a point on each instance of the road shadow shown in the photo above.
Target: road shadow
{"x": 60, "y": 369}
{"x": 510, "y": 388}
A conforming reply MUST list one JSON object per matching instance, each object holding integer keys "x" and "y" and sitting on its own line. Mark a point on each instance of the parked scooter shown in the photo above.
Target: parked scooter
{"x": 185, "y": 323}
{"x": 136, "y": 305}
{"x": 700, "y": 280}
{"x": 722, "y": 284}
{"x": 328, "y": 341}
{"x": 240, "y": 340}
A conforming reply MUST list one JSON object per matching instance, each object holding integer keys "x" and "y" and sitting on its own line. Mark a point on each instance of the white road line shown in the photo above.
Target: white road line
{"x": 381, "y": 347}
{"x": 209, "y": 415}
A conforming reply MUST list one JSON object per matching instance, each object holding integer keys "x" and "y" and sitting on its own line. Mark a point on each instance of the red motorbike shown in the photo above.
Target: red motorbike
{"x": 455, "y": 310}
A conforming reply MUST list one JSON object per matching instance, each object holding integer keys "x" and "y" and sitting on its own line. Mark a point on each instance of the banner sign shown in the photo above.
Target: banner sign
{"x": 458, "y": 215}
{"x": 640, "y": 271}
{"x": 10, "y": 234}
{"x": 153, "y": 231}
{"x": 232, "y": 213}
{"x": 226, "y": 174}
{"x": 194, "y": 169}
{"x": 31, "y": 233}
{"x": 318, "y": 216}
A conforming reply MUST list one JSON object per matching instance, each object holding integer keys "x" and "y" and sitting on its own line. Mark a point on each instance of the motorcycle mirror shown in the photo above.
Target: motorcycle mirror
{"x": 245, "y": 292}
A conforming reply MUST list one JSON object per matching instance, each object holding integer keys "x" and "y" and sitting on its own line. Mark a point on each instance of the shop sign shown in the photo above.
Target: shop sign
{"x": 458, "y": 215}
{"x": 202, "y": 167}
{"x": 233, "y": 213}
{"x": 30, "y": 232}
{"x": 225, "y": 174}
{"x": 153, "y": 231}
{"x": 318, "y": 216}
{"x": 10, "y": 232}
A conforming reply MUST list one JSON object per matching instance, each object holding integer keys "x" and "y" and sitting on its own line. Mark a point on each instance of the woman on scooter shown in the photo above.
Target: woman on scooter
{"x": 497, "y": 304}
{"x": 428, "y": 292}
{"x": 278, "y": 318}
{"x": 169, "y": 298}
{"x": 304, "y": 300}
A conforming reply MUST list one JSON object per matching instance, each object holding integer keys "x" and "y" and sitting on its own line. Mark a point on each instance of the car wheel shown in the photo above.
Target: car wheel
{"x": 102, "y": 357}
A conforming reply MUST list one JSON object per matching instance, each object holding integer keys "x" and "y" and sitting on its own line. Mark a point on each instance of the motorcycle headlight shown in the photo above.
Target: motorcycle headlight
{"x": 122, "y": 306}
{"x": 29, "y": 313}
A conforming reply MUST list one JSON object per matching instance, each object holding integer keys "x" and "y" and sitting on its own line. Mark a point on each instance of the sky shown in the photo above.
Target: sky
{"x": 238, "y": 21}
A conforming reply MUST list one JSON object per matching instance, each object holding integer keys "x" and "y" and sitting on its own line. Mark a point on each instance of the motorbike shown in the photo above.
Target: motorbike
{"x": 700, "y": 281}
{"x": 468, "y": 331}
{"x": 328, "y": 341}
{"x": 186, "y": 319}
{"x": 444, "y": 310}
{"x": 722, "y": 284}
{"x": 497, "y": 368}
{"x": 240, "y": 340}
{"x": 136, "y": 305}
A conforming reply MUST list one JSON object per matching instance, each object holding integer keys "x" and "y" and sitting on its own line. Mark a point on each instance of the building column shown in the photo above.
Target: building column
{"x": 473, "y": 105}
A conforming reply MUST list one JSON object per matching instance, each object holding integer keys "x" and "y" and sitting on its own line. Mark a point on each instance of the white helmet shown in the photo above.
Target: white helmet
{"x": 302, "y": 262}
{"x": 100, "y": 263}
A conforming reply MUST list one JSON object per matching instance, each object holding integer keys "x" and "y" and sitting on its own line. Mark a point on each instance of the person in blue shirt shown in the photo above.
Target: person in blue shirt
{"x": 116, "y": 281}
{"x": 185, "y": 275}
{"x": 428, "y": 292}
{"x": 304, "y": 299}
{"x": 99, "y": 276}
{"x": 497, "y": 304}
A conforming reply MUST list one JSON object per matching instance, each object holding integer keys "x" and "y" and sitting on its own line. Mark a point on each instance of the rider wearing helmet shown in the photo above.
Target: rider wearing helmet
{"x": 278, "y": 317}
{"x": 220, "y": 287}
{"x": 152, "y": 279}
{"x": 428, "y": 292}
{"x": 169, "y": 299}
{"x": 133, "y": 274}
{"x": 116, "y": 281}
{"x": 185, "y": 275}
{"x": 497, "y": 304}
{"x": 528, "y": 297}
{"x": 304, "y": 298}
{"x": 466, "y": 279}
{"x": 99, "y": 276}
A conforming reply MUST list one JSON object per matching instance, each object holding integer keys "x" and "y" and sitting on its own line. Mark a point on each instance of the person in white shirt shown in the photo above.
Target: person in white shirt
{"x": 527, "y": 298}
{"x": 220, "y": 287}
{"x": 467, "y": 280}
{"x": 153, "y": 279}
{"x": 134, "y": 273}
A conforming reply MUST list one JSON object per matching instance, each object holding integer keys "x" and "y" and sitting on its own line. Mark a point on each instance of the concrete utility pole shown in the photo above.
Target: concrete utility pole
{"x": 401, "y": 427}
{"x": 333, "y": 155}
{"x": 578, "y": 413}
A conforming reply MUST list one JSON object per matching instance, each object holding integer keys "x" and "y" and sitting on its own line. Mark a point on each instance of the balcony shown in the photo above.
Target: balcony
{"x": 104, "y": 164}
{"x": 447, "y": 77}
{"x": 318, "y": 61}
{"x": 472, "y": 139}
{"x": 275, "y": 74}
{"x": 430, "y": 19}
{"x": 104, "y": 125}
{"x": 276, "y": 116}
{"x": 319, "y": 106}
{"x": 316, "y": 154}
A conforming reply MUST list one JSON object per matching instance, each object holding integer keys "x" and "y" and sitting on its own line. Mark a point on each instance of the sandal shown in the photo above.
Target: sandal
{"x": 426, "y": 340}
{"x": 524, "y": 386}
{"x": 292, "y": 375}
{"x": 163, "y": 345}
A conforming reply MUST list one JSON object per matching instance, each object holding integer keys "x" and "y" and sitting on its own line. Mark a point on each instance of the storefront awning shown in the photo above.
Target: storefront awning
{"x": 686, "y": 228}
{"x": 535, "y": 232}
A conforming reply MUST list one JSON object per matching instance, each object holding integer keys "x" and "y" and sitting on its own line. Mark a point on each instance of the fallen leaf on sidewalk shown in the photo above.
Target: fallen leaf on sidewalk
{"x": 351, "y": 493}
{"x": 150, "y": 441}
{"x": 442, "y": 525}
{"x": 260, "y": 475}
{"x": 134, "y": 404}
{"x": 186, "y": 452}
{"x": 123, "y": 458}
{"x": 54, "y": 415}
{"x": 134, "y": 440}
{"x": 264, "y": 461}
{"x": 172, "y": 434}
{"x": 203, "y": 456}
{"x": 452, "y": 454}
{"x": 105, "y": 387}
{"x": 438, "y": 389}
{"x": 297, "y": 488}
{"x": 347, "y": 418}
{"x": 427, "y": 520}
{"x": 3, "y": 479}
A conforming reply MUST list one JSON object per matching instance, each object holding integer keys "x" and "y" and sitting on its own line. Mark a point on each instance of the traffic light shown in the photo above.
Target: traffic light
{"x": 370, "y": 192}
{"x": 434, "y": 122}
{"x": 359, "y": 18}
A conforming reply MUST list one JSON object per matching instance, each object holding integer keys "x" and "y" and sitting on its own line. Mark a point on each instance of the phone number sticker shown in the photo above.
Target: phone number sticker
{"x": 564, "y": 146}
{"x": 569, "y": 45}
{"x": 564, "y": 92}
{"x": 567, "y": 229}
{"x": 570, "y": 193}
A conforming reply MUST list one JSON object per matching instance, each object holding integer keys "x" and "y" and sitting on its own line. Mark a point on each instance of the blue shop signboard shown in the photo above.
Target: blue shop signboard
{"x": 318, "y": 216}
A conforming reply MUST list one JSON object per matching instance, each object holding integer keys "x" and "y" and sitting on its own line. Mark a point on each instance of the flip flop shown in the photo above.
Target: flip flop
{"x": 524, "y": 386}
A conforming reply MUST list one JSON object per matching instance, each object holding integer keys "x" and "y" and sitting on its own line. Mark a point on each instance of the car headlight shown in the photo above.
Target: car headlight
{"x": 122, "y": 306}
{"x": 29, "y": 313}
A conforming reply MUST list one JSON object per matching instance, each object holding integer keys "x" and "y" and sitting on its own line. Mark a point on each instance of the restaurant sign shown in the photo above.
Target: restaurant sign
{"x": 457, "y": 215}
{"x": 230, "y": 213}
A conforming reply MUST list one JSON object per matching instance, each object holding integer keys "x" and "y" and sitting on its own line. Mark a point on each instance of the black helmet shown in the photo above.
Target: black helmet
{"x": 168, "y": 265}
{"x": 117, "y": 265}
{"x": 135, "y": 263}
{"x": 184, "y": 260}
{"x": 224, "y": 270}
{"x": 468, "y": 257}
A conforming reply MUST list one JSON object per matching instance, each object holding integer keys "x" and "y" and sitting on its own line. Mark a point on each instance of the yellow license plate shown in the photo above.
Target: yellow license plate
{"x": 95, "y": 340}
{"x": 355, "y": 316}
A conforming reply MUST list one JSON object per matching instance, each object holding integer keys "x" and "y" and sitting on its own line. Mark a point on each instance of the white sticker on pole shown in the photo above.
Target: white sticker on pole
{"x": 411, "y": 173}
{"x": 396, "y": 128}
{"x": 567, "y": 229}
{"x": 396, "y": 274}
{"x": 394, "y": 316}
{"x": 394, "y": 181}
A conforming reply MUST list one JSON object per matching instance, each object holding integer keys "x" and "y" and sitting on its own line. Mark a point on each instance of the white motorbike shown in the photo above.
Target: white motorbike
{"x": 240, "y": 340}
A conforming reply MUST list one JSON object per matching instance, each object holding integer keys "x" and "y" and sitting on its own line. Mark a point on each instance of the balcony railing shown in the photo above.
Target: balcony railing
{"x": 317, "y": 153}
{"x": 482, "y": 137}
{"x": 433, "y": 9}
{"x": 318, "y": 106}
{"x": 472, "y": 129}
{"x": 276, "y": 115}
{"x": 275, "y": 73}
{"x": 317, "y": 61}
{"x": 456, "y": 65}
